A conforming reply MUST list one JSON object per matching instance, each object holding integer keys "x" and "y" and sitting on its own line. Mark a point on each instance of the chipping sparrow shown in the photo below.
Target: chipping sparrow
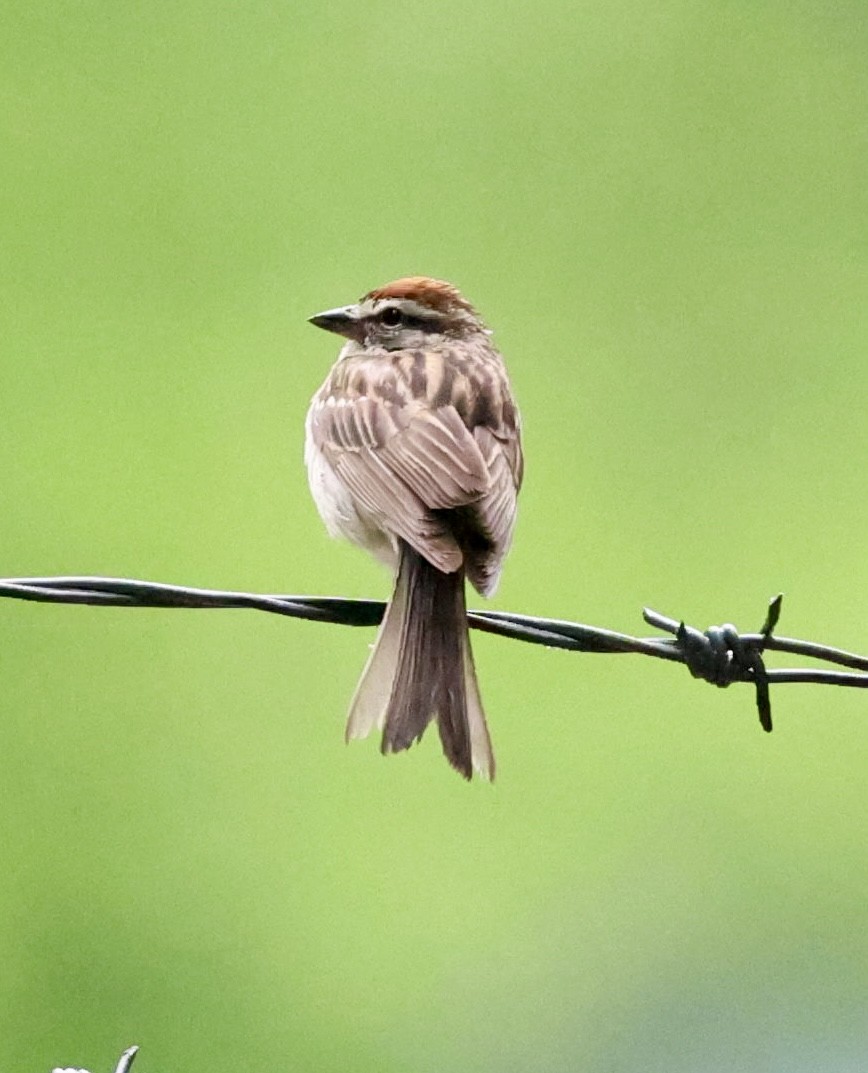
{"x": 413, "y": 451}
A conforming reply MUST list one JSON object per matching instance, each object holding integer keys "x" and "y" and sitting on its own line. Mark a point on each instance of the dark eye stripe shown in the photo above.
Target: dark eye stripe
{"x": 422, "y": 323}
{"x": 391, "y": 317}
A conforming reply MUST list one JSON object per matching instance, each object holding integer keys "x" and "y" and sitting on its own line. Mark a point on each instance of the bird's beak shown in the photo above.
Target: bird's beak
{"x": 343, "y": 321}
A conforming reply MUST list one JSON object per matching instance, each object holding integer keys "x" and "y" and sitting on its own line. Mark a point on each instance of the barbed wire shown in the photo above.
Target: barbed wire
{"x": 123, "y": 1066}
{"x": 719, "y": 655}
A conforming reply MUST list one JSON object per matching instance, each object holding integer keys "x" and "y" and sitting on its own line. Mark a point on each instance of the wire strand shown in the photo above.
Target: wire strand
{"x": 719, "y": 655}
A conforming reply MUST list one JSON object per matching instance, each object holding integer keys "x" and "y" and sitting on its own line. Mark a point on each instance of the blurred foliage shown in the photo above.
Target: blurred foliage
{"x": 662, "y": 211}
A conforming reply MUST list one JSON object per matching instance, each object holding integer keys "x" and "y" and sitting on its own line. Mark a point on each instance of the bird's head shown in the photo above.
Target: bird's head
{"x": 410, "y": 312}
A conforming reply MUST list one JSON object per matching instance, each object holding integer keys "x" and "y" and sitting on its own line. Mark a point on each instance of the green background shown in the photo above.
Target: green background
{"x": 661, "y": 208}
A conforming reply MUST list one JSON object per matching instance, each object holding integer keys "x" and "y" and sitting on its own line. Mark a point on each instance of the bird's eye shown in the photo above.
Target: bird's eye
{"x": 391, "y": 317}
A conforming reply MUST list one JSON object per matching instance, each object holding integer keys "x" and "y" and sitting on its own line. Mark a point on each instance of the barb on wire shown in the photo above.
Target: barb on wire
{"x": 123, "y": 1066}
{"x": 720, "y": 654}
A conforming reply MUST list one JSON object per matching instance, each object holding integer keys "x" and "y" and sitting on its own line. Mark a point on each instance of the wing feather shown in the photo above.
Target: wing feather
{"x": 405, "y": 463}
{"x": 402, "y": 463}
{"x": 495, "y": 511}
{"x": 438, "y": 459}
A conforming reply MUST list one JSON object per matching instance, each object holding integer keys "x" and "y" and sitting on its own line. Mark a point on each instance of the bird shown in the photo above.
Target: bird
{"x": 413, "y": 452}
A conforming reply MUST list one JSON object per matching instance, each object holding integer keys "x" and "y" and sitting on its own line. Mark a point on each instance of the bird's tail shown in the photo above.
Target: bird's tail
{"x": 421, "y": 668}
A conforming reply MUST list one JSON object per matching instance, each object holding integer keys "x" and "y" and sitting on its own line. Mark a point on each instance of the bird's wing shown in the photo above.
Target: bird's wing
{"x": 495, "y": 512}
{"x": 402, "y": 462}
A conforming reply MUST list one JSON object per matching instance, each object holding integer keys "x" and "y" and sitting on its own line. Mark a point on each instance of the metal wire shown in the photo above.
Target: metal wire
{"x": 719, "y": 655}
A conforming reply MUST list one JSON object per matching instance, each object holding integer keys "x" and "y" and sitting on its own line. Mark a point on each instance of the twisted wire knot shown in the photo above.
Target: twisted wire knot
{"x": 718, "y": 655}
{"x": 721, "y": 656}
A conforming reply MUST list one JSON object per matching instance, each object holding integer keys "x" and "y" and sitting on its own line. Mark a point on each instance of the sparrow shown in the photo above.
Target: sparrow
{"x": 413, "y": 452}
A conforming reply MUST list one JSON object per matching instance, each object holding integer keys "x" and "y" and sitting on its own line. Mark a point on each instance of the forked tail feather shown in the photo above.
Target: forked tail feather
{"x": 421, "y": 668}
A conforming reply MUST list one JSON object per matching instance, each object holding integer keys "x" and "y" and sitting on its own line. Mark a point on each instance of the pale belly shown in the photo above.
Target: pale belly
{"x": 340, "y": 512}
